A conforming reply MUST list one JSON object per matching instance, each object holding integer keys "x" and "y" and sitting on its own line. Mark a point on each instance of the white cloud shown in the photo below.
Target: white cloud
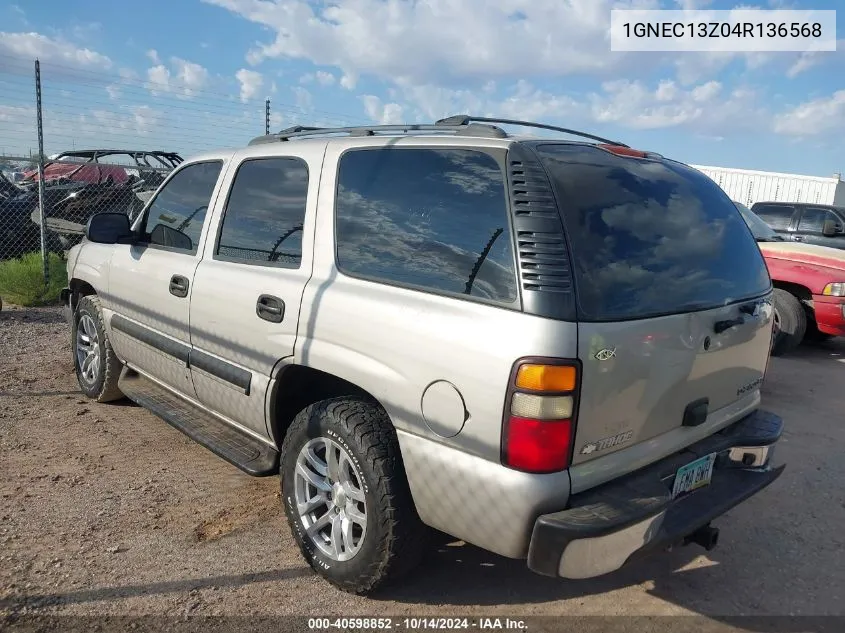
{"x": 423, "y": 41}
{"x": 251, "y": 82}
{"x": 382, "y": 113}
{"x": 30, "y": 46}
{"x": 814, "y": 118}
{"x": 667, "y": 90}
{"x": 349, "y": 81}
{"x": 324, "y": 78}
{"x": 706, "y": 92}
{"x": 307, "y": 78}
{"x": 304, "y": 100}
{"x": 705, "y": 107}
{"x": 811, "y": 59}
{"x": 530, "y": 104}
{"x": 152, "y": 55}
{"x": 15, "y": 114}
{"x": 183, "y": 78}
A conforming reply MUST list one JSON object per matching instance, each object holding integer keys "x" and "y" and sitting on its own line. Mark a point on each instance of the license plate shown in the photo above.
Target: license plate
{"x": 694, "y": 475}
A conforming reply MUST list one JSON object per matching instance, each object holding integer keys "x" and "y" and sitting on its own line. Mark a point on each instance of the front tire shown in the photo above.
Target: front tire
{"x": 97, "y": 367}
{"x": 791, "y": 322}
{"x": 346, "y": 495}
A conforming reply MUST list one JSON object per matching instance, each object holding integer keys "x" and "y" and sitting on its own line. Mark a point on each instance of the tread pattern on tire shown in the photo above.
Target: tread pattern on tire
{"x": 793, "y": 322}
{"x": 375, "y": 439}
{"x": 110, "y": 363}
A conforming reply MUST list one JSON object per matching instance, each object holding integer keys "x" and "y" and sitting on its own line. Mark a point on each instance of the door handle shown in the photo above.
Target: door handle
{"x": 270, "y": 308}
{"x": 179, "y": 286}
{"x": 724, "y": 326}
{"x": 798, "y": 238}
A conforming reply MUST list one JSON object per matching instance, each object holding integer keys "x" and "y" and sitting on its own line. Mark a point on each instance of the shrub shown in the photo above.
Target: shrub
{"x": 22, "y": 280}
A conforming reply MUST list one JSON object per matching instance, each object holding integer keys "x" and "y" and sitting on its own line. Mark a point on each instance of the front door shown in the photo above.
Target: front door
{"x": 248, "y": 287}
{"x": 150, "y": 284}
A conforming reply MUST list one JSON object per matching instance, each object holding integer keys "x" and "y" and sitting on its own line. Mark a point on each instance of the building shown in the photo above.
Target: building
{"x": 749, "y": 186}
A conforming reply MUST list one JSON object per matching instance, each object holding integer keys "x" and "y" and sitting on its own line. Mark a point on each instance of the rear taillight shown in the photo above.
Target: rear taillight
{"x": 539, "y": 417}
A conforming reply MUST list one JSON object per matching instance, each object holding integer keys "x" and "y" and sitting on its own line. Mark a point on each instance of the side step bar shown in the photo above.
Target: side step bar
{"x": 247, "y": 453}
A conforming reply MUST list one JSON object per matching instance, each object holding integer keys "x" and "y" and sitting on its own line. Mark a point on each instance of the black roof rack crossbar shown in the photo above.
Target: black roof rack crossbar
{"x": 371, "y": 130}
{"x": 464, "y": 119}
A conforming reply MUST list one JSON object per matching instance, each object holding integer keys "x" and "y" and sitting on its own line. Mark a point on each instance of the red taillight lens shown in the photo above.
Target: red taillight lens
{"x": 537, "y": 446}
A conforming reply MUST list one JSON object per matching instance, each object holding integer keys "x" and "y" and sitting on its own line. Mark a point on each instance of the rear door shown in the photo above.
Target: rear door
{"x": 811, "y": 227}
{"x": 248, "y": 288}
{"x": 674, "y": 318}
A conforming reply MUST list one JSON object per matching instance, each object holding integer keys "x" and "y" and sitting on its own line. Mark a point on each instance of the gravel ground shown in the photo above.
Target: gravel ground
{"x": 107, "y": 510}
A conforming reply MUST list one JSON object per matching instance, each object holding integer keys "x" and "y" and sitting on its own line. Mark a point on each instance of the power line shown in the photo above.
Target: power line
{"x": 149, "y": 86}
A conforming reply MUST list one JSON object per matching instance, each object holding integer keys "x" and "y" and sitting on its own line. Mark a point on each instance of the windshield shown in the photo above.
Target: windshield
{"x": 761, "y": 231}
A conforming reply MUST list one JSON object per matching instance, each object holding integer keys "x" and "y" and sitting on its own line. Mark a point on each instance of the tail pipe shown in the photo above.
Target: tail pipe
{"x": 707, "y": 537}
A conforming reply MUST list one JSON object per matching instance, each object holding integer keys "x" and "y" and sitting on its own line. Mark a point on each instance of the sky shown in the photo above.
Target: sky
{"x": 190, "y": 75}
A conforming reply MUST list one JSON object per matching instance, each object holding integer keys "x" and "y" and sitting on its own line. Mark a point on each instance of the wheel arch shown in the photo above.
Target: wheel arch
{"x": 802, "y": 293}
{"x": 298, "y": 386}
{"x": 79, "y": 288}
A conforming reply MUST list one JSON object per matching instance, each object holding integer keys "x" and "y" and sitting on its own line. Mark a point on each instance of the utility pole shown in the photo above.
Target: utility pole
{"x": 41, "y": 194}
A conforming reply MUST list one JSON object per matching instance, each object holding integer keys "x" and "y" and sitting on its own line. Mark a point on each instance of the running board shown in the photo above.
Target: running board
{"x": 247, "y": 453}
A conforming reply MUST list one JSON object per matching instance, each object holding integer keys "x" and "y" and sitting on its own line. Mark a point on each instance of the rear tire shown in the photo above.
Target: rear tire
{"x": 365, "y": 480}
{"x": 97, "y": 368}
{"x": 792, "y": 322}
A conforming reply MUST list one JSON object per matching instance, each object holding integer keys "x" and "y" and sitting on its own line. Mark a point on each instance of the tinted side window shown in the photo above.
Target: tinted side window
{"x": 176, "y": 216}
{"x": 434, "y": 219}
{"x": 650, "y": 237}
{"x": 265, "y": 212}
{"x": 812, "y": 219}
{"x": 776, "y": 216}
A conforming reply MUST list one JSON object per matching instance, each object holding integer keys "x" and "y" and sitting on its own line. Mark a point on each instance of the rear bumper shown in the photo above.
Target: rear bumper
{"x": 830, "y": 314}
{"x": 606, "y": 527}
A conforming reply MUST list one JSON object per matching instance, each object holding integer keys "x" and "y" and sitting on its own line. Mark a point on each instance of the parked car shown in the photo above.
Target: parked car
{"x": 820, "y": 224}
{"x": 809, "y": 280}
{"x": 527, "y": 344}
{"x": 77, "y": 185}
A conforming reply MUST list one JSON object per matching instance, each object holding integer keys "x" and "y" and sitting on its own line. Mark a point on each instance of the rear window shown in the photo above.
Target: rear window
{"x": 650, "y": 237}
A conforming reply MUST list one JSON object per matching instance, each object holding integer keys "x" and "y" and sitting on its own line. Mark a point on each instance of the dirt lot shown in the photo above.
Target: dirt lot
{"x": 107, "y": 510}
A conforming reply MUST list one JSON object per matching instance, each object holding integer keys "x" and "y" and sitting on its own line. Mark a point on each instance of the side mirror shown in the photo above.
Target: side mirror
{"x": 831, "y": 228}
{"x": 166, "y": 236}
{"x": 109, "y": 228}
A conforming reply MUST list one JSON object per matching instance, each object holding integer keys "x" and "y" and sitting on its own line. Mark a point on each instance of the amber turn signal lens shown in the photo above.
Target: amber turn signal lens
{"x": 546, "y": 377}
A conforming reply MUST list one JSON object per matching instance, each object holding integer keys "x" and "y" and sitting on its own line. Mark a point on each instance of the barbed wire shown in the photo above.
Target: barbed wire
{"x": 83, "y": 109}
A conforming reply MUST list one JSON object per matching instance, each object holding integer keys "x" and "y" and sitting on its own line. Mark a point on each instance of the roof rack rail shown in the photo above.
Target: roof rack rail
{"x": 465, "y": 119}
{"x": 373, "y": 130}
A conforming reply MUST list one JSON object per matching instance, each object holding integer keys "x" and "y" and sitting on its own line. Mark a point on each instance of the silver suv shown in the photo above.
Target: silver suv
{"x": 548, "y": 348}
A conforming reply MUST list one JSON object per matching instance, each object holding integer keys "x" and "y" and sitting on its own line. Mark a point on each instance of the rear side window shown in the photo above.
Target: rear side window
{"x": 175, "y": 218}
{"x": 431, "y": 219}
{"x": 776, "y": 216}
{"x": 650, "y": 237}
{"x": 265, "y": 212}
{"x": 813, "y": 219}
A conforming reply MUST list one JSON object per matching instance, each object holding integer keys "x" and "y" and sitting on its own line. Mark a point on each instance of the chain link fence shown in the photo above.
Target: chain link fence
{"x": 74, "y": 143}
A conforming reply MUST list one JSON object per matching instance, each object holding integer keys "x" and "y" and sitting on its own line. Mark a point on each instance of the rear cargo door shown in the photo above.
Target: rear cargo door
{"x": 673, "y": 297}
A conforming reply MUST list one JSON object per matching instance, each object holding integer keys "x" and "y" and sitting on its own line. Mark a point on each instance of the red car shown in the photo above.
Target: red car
{"x": 809, "y": 283}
